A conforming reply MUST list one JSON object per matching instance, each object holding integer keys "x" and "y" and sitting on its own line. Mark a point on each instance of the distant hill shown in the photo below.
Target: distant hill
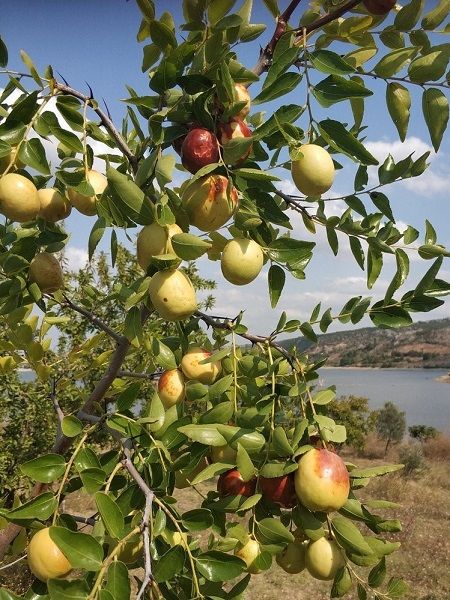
{"x": 423, "y": 345}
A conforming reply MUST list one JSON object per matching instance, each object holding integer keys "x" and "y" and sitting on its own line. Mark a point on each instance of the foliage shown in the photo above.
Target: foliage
{"x": 390, "y": 424}
{"x": 413, "y": 459}
{"x": 423, "y": 432}
{"x": 353, "y": 412}
{"x": 264, "y": 405}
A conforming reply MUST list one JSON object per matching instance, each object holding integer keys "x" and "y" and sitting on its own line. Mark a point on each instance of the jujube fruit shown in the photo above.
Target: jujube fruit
{"x": 322, "y": 482}
{"x": 154, "y": 240}
{"x": 279, "y": 490}
{"x": 293, "y": 558}
{"x": 171, "y": 387}
{"x": 45, "y": 559}
{"x": 323, "y": 559}
{"x": 209, "y": 202}
{"x": 19, "y": 199}
{"x": 53, "y": 205}
{"x": 379, "y": 7}
{"x": 193, "y": 369}
{"x": 232, "y": 484}
{"x": 87, "y": 205}
{"x": 249, "y": 552}
{"x": 313, "y": 172}
{"x": 199, "y": 148}
{"x": 235, "y": 129}
{"x": 242, "y": 95}
{"x": 241, "y": 261}
{"x": 172, "y": 295}
{"x": 46, "y": 272}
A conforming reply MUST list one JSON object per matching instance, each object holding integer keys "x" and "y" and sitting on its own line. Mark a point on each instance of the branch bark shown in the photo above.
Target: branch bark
{"x": 96, "y": 321}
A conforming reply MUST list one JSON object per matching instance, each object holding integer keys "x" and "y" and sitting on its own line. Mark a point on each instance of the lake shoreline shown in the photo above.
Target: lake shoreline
{"x": 440, "y": 379}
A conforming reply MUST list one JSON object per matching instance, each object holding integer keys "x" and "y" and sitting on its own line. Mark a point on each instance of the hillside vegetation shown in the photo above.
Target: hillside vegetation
{"x": 423, "y": 345}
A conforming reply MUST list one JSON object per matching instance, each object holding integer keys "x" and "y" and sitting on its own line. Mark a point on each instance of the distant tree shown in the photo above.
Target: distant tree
{"x": 423, "y": 433}
{"x": 390, "y": 424}
{"x": 354, "y": 413}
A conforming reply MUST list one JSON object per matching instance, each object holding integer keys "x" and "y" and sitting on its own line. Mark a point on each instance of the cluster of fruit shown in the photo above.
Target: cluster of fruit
{"x": 320, "y": 483}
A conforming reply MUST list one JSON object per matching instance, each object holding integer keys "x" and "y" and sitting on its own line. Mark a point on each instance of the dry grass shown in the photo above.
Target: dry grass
{"x": 423, "y": 559}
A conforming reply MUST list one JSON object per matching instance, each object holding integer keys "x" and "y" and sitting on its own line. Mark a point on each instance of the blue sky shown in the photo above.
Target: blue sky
{"x": 95, "y": 42}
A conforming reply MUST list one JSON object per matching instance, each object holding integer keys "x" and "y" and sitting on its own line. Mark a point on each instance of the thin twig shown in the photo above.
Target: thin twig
{"x": 133, "y": 374}
{"x": 93, "y": 319}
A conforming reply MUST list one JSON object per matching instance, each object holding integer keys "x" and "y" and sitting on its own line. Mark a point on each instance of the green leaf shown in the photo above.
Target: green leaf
{"x": 96, "y": 235}
{"x": 389, "y": 317}
{"x": 393, "y": 62}
{"x": 93, "y": 479}
{"x": 374, "y": 265}
{"x": 375, "y": 471}
{"x": 118, "y": 583}
{"x": 435, "y": 17}
{"x": 235, "y": 149}
{"x": 283, "y": 85}
{"x": 377, "y": 574}
{"x": 3, "y": 54}
{"x": 280, "y": 442}
{"x": 111, "y": 515}
{"x": 324, "y": 397}
{"x": 252, "y": 441}
{"x": 272, "y": 531}
{"x": 154, "y": 413}
{"x": 81, "y": 549}
{"x": 221, "y": 413}
{"x": 288, "y": 250}
{"x": 430, "y": 67}
{"x": 60, "y": 589}
{"x": 330, "y": 62}
{"x": 244, "y": 464}
{"x": 44, "y": 469}
{"x": 210, "y": 471}
{"x": 408, "y": 16}
{"x": 188, "y": 246}
{"x": 342, "y": 583}
{"x": 67, "y": 138}
{"x": 219, "y": 566}
{"x": 396, "y": 588}
{"x": 349, "y": 536}
{"x": 169, "y": 564}
{"x": 197, "y": 519}
{"x": 398, "y": 102}
{"x": 217, "y": 9}
{"x": 205, "y": 434}
{"x": 337, "y": 89}
{"x": 32, "y": 154}
{"x": 129, "y": 198}
{"x": 436, "y": 112}
{"x": 342, "y": 140}
{"x": 276, "y": 278}
{"x": 71, "y": 426}
{"x": 40, "y": 508}
{"x": 162, "y": 35}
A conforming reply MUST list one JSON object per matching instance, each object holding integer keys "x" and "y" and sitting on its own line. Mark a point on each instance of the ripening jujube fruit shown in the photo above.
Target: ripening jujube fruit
{"x": 324, "y": 558}
{"x": 322, "y": 482}
{"x": 235, "y": 129}
{"x": 279, "y": 490}
{"x": 19, "y": 199}
{"x": 208, "y": 202}
{"x": 313, "y": 172}
{"x": 45, "y": 270}
{"x": 87, "y": 205}
{"x": 53, "y": 205}
{"x": 193, "y": 369}
{"x": 231, "y": 483}
{"x": 171, "y": 387}
{"x": 45, "y": 559}
{"x": 172, "y": 295}
{"x": 199, "y": 148}
{"x": 249, "y": 552}
{"x": 153, "y": 240}
{"x": 241, "y": 261}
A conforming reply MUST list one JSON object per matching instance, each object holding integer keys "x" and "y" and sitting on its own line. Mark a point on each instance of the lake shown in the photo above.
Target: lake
{"x": 414, "y": 391}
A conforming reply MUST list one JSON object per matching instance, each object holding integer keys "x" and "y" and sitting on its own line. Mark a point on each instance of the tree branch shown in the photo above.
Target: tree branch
{"x": 329, "y": 17}
{"x": 93, "y": 319}
{"x": 133, "y": 374}
{"x": 104, "y": 118}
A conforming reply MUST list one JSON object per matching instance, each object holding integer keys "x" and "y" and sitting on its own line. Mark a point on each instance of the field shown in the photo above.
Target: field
{"x": 423, "y": 560}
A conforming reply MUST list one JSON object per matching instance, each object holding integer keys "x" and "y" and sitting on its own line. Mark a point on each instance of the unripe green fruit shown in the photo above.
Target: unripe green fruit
{"x": 324, "y": 558}
{"x": 241, "y": 261}
{"x": 313, "y": 172}
{"x": 87, "y": 205}
{"x": 46, "y": 272}
{"x": 292, "y": 558}
{"x": 154, "y": 240}
{"x": 205, "y": 373}
{"x": 45, "y": 559}
{"x": 171, "y": 388}
{"x": 172, "y": 295}
{"x": 322, "y": 481}
{"x": 54, "y": 206}
{"x": 209, "y": 203}
{"x": 19, "y": 199}
{"x": 249, "y": 553}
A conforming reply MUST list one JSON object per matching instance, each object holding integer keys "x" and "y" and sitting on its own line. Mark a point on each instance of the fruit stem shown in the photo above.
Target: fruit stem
{"x": 235, "y": 383}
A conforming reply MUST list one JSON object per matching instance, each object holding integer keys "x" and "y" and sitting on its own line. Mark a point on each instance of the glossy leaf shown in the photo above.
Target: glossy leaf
{"x": 111, "y": 514}
{"x": 81, "y": 549}
{"x": 436, "y": 112}
{"x": 45, "y": 468}
{"x": 218, "y": 566}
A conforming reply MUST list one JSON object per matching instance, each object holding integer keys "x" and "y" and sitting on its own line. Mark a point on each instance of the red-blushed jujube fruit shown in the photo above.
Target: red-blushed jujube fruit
{"x": 379, "y": 7}
{"x": 234, "y": 129}
{"x": 193, "y": 369}
{"x": 242, "y": 95}
{"x": 279, "y": 490}
{"x": 209, "y": 201}
{"x": 322, "y": 482}
{"x": 232, "y": 484}
{"x": 324, "y": 558}
{"x": 199, "y": 148}
{"x": 171, "y": 388}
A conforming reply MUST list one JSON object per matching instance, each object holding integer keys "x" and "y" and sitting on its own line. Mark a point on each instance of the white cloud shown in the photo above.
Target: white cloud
{"x": 76, "y": 257}
{"x": 397, "y": 149}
